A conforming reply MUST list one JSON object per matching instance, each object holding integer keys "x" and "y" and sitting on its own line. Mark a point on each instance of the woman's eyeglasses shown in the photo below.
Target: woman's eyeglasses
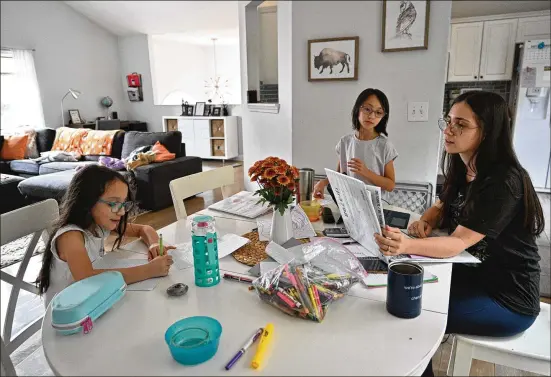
{"x": 455, "y": 128}
{"x": 368, "y": 111}
{"x": 117, "y": 206}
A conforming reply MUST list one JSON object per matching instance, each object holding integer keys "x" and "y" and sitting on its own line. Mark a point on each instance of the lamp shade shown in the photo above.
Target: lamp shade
{"x": 74, "y": 93}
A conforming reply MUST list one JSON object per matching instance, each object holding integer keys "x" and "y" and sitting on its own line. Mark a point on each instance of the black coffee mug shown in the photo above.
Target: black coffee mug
{"x": 404, "y": 289}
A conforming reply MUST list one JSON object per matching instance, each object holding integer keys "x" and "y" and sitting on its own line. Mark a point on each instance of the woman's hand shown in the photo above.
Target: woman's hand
{"x": 319, "y": 189}
{"x": 420, "y": 229}
{"x": 159, "y": 266}
{"x": 154, "y": 251}
{"x": 392, "y": 242}
{"x": 357, "y": 166}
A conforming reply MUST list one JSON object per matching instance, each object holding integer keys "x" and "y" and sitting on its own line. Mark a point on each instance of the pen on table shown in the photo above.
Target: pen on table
{"x": 160, "y": 245}
{"x": 238, "y": 278}
{"x": 262, "y": 349}
{"x": 244, "y": 348}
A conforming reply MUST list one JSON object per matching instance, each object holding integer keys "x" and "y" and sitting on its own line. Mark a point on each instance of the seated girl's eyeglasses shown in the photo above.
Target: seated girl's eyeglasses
{"x": 456, "y": 128}
{"x": 368, "y": 111}
{"x": 116, "y": 206}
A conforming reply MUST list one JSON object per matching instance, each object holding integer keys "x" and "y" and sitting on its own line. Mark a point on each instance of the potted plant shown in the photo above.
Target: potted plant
{"x": 278, "y": 183}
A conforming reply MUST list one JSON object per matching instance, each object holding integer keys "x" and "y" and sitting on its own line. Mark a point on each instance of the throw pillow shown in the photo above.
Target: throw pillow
{"x": 162, "y": 154}
{"x": 14, "y": 147}
{"x": 32, "y": 148}
{"x": 69, "y": 139}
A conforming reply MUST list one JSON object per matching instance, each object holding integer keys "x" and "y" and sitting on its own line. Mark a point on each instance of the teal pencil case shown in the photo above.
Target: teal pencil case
{"x": 78, "y": 306}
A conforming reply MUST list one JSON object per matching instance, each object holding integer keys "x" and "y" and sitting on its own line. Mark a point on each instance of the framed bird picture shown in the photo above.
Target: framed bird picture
{"x": 405, "y": 25}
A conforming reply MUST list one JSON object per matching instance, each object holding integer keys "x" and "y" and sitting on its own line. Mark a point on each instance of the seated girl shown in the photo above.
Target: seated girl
{"x": 366, "y": 154}
{"x": 97, "y": 202}
{"x": 490, "y": 208}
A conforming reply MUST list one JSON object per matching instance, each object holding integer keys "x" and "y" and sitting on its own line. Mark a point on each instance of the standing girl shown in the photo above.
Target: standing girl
{"x": 97, "y": 202}
{"x": 366, "y": 154}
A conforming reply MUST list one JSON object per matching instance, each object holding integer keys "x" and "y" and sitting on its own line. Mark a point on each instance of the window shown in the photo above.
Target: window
{"x": 20, "y": 95}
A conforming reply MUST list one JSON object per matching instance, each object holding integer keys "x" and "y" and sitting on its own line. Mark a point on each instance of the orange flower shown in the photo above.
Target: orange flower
{"x": 291, "y": 186}
{"x": 280, "y": 170}
{"x": 254, "y": 178}
{"x": 283, "y": 180}
{"x": 269, "y": 173}
{"x": 252, "y": 170}
{"x": 295, "y": 172}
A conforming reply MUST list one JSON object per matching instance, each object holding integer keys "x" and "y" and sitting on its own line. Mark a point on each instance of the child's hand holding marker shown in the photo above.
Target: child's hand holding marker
{"x": 158, "y": 249}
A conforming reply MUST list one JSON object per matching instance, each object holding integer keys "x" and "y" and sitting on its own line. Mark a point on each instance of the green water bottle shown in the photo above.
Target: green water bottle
{"x": 205, "y": 251}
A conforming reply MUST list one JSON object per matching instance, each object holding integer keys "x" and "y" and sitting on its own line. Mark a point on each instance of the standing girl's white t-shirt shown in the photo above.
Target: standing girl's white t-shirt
{"x": 374, "y": 153}
{"x": 60, "y": 274}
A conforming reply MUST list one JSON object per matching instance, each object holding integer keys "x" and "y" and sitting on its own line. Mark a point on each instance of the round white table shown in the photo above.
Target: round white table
{"x": 357, "y": 337}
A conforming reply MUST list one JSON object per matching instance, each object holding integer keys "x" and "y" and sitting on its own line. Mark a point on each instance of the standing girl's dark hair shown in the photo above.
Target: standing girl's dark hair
{"x": 495, "y": 149}
{"x": 381, "y": 127}
{"x": 87, "y": 186}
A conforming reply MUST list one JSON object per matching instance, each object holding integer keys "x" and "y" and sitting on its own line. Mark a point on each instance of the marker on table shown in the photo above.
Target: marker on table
{"x": 265, "y": 341}
{"x": 160, "y": 245}
{"x": 237, "y": 278}
{"x": 242, "y": 351}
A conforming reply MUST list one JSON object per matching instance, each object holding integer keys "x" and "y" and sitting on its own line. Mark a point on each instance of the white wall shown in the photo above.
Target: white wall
{"x": 71, "y": 52}
{"x": 267, "y": 19}
{"x": 181, "y": 68}
{"x": 269, "y": 134}
{"x": 321, "y": 110}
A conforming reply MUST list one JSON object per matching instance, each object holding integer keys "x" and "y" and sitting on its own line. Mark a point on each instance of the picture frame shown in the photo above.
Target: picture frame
{"x": 405, "y": 25}
{"x": 333, "y": 59}
{"x": 208, "y": 110}
{"x": 216, "y": 111}
{"x": 189, "y": 110}
{"x": 74, "y": 116}
{"x": 200, "y": 108}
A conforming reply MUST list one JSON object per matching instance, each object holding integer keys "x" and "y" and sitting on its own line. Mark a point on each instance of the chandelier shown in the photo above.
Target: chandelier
{"x": 216, "y": 87}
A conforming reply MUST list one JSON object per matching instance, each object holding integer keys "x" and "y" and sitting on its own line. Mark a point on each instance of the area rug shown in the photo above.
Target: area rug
{"x": 14, "y": 251}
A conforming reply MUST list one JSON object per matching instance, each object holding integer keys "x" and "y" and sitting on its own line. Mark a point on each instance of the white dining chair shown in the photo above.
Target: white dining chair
{"x": 34, "y": 219}
{"x": 529, "y": 351}
{"x": 188, "y": 186}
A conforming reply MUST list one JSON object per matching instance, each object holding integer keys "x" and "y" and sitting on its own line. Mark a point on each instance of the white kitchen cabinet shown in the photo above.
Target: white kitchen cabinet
{"x": 482, "y": 51}
{"x": 206, "y": 137}
{"x": 531, "y": 28}
{"x": 498, "y": 50}
{"x": 465, "y": 46}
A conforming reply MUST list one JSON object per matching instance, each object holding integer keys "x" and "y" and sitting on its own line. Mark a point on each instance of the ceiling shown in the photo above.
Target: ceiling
{"x": 462, "y": 8}
{"x": 206, "y": 19}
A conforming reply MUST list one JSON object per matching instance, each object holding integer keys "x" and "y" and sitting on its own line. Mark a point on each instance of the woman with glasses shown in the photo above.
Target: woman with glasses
{"x": 491, "y": 209}
{"x": 97, "y": 202}
{"x": 367, "y": 154}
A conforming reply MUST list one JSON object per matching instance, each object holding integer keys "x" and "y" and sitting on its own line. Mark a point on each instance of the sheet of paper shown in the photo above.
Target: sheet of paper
{"x": 145, "y": 285}
{"x": 381, "y": 280}
{"x": 356, "y": 207}
{"x": 243, "y": 204}
{"x": 360, "y": 251}
{"x": 267, "y": 267}
{"x": 227, "y": 244}
{"x": 302, "y": 227}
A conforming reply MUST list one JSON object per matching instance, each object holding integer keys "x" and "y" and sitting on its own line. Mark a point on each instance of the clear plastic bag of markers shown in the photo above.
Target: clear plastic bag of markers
{"x": 315, "y": 275}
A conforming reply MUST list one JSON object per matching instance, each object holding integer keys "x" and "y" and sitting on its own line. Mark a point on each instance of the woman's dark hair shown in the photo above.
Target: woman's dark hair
{"x": 86, "y": 187}
{"x": 495, "y": 149}
{"x": 381, "y": 127}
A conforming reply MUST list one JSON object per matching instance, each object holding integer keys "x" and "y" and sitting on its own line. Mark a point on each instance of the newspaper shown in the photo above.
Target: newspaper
{"x": 243, "y": 204}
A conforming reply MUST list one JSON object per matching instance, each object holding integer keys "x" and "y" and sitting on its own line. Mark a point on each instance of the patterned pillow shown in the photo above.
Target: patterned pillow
{"x": 69, "y": 139}
{"x": 32, "y": 149}
{"x": 98, "y": 142}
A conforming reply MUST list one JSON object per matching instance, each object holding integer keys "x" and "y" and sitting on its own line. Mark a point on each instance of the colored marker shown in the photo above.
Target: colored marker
{"x": 262, "y": 350}
{"x": 161, "y": 245}
{"x": 237, "y": 278}
{"x": 242, "y": 351}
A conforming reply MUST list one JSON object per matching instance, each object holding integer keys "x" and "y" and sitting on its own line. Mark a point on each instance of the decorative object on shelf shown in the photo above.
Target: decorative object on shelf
{"x": 216, "y": 111}
{"x": 208, "y": 110}
{"x": 405, "y": 25}
{"x": 333, "y": 59}
{"x": 200, "y": 108}
{"x": 186, "y": 108}
{"x": 278, "y": 183}
{"x": 106, "y": 102}
{"x": 225, "y": 110}
{"x": 75, "y": 94}
{"x": 75, "y": 117}
{"x": 216, "y": 86}
{"x": 134, "y": 90}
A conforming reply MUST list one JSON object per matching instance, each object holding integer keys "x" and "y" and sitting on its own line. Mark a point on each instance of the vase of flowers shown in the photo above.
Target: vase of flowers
{"x": 278, "y": 183}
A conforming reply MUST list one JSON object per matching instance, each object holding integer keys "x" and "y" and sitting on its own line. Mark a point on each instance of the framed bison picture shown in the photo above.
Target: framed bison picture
{"x": 405, "y": 25}
{"x": 333, "y": 59}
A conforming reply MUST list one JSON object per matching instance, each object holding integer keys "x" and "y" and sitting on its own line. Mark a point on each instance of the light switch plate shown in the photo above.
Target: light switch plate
{"x": 418, "y": 111}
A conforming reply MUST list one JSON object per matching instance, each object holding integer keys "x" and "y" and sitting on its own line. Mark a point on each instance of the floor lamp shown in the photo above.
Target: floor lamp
{"x": 75, "y": 94}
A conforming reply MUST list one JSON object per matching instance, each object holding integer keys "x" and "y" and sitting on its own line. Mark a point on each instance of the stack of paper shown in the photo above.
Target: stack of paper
{"x": 302, "y": 227}
{"x": 243, "y": 204}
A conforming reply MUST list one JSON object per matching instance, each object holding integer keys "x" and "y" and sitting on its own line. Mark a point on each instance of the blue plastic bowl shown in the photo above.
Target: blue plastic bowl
{"x": 193, "y": 340}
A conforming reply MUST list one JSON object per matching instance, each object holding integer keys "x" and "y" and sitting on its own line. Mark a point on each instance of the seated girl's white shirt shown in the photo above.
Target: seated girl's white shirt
{"x": 374, "y": 153}
{"x": 60, "y": 274}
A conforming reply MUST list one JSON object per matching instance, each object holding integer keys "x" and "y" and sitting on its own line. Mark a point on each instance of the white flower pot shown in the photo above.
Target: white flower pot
{"x": 282, "y": 227}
